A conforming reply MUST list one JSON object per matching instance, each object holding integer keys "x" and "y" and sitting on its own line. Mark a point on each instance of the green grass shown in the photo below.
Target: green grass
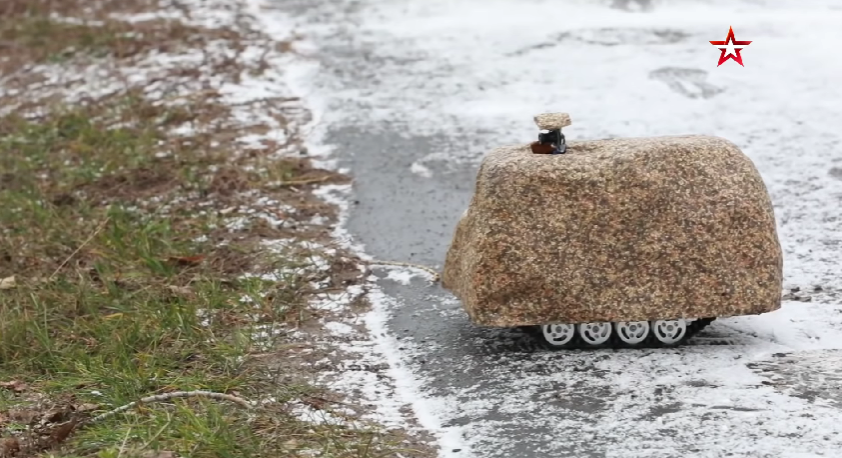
{"x": 119, "y": 278}
{"x": 115, "y": 299}
{"x": 54, "y": 40}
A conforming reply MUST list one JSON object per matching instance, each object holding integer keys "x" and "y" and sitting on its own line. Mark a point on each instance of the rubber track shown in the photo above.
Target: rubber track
{"x": 614, "y": 342}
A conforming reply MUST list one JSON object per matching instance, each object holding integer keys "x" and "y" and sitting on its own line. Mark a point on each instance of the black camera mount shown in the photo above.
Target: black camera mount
{"x": 553, "y": 138}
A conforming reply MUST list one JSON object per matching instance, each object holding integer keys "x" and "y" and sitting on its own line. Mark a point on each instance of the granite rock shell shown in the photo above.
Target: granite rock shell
{"x": 552, "y": 121}
{"x": 616, "y": 230}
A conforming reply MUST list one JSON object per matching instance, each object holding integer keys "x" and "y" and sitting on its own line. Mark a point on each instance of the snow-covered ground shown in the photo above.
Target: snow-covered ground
{"x": 453, "y": 68}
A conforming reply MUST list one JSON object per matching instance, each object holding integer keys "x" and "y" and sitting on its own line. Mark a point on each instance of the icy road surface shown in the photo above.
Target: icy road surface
{"x": 412, "y": 93}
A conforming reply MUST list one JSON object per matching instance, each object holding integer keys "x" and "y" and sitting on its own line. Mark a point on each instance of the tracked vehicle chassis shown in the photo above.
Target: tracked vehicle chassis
{"x": 636, "y": 334}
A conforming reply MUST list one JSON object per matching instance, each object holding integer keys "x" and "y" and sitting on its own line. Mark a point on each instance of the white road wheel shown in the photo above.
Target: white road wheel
{"x": 669, "y": 331}
{"x": 595, "y": 333}
{"x": 632, "y": 332}
{"x": 558, "y": 334}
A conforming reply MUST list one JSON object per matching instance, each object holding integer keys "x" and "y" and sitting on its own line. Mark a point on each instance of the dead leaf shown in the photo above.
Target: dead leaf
{"x": 61, "y": 433}
{"x": 187, "y": 260}
{"x": 181, "y": 290}
{"x": 8, "y": 283}
{"x": 86, "y": 407}
{"x": 57, "y": 415}
{"x": 9, "y": 446}
{"x": 15, "y": 385}
{"x": 23, "y": 416}
{"x": 314, "y": 402}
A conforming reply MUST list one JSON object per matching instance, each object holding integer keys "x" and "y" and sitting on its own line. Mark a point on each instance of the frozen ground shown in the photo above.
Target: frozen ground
{"x": 412, "y": 93}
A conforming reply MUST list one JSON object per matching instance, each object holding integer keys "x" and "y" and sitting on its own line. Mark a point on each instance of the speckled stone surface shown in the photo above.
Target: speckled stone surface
{"x": 616, "y": 230}
{"x": 551, "y": 121}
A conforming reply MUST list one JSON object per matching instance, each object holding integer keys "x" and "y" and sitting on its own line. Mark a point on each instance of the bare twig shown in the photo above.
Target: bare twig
{"x": 303, "y": 182}
{"x": 93, "y": 234}
{"x": 175, "y": 394}
{"x": 429, "y": 270}
{"x": 123, "y": 445}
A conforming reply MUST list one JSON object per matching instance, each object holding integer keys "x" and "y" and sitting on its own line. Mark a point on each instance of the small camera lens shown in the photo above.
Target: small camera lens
{"x": 549, "y": 137}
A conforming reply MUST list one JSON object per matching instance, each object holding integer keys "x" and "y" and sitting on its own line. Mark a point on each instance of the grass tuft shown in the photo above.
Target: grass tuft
{"x": 111, "y": 303}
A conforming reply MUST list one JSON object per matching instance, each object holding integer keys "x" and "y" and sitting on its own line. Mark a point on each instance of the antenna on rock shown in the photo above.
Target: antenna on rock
{"x": 550, "y": 138}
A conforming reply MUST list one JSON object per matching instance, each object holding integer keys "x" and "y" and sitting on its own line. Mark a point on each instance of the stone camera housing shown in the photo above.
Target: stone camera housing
{"x": 618, "y": 242}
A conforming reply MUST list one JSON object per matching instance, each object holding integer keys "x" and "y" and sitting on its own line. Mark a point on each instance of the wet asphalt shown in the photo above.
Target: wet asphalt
{"x": 400, "y": 215}
{"x": 505, "y": 396}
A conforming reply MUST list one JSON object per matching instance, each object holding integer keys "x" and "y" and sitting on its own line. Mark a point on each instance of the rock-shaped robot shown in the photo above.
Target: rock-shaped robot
{"x": 626, "y": 242}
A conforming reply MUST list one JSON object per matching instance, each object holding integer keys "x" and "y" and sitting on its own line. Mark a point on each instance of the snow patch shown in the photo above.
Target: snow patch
{"x": 339, "y": 329}
{"x": 337, "y": 302}
{"x": 403, "y": 277}
{"x": 308, "y": 414}
{"x": 420, "y": 169}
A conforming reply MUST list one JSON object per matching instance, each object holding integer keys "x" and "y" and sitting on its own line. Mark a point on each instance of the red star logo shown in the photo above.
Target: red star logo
{"x": 733, "y": 52}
